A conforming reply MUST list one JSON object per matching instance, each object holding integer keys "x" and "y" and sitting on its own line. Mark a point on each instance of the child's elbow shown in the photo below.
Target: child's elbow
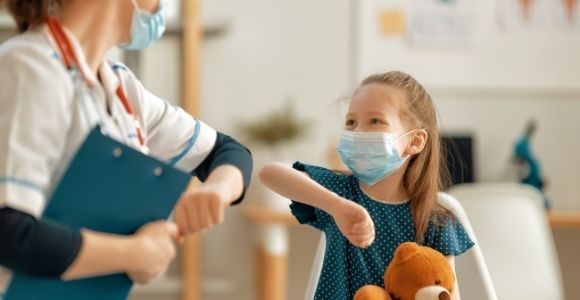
{"x": 268, "y": 172}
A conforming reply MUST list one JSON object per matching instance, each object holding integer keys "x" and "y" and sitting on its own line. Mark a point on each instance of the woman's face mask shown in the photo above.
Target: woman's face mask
{"x": 146, "y": 27}
{"x": 371, "y": 156}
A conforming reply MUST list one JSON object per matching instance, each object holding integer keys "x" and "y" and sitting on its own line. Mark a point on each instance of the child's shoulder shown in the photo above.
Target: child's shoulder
{"x": 318, "y": 170}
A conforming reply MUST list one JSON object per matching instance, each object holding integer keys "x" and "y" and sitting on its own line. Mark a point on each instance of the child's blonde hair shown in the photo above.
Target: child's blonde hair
{"x": 426, "y": 175}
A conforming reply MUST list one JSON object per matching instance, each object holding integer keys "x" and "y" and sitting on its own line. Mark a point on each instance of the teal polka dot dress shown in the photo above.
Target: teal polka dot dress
{"x": 346, "y": 268}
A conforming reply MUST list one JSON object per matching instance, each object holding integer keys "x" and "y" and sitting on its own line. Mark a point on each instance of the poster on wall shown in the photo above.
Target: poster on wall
{"x": 449, "y": 23}
{"x": 518, "y": 15}
{"x": 391, "y": 17}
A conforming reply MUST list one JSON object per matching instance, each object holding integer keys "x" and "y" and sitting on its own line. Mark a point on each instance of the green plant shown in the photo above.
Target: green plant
{"x": 276, "y": 127}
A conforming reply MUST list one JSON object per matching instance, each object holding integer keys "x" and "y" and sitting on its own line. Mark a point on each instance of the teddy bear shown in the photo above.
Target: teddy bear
{"x": 415, "y": 273}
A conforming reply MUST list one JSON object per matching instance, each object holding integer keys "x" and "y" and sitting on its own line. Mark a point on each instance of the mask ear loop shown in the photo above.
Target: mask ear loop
{"x": 137, "y": 7}
{"x": 407, "y": 133}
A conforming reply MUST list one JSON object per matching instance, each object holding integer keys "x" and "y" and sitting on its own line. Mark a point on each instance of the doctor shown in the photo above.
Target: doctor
{"x": 55, "y": 86}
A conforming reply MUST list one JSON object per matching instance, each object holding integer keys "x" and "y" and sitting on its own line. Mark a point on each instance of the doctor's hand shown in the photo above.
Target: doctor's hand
{"x": 354, "y": 222}
{"x": 201, "y": 208}
{"x": 153, "y": 250}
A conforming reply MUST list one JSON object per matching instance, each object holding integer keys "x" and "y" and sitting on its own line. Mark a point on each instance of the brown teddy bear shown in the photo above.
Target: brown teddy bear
{"x": 415, "y": 273}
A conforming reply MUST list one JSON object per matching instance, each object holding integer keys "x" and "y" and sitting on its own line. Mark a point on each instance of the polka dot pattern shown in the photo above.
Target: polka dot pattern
{"x": 346, "y": 268}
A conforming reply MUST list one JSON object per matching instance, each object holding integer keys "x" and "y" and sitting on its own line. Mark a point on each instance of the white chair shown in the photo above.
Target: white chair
{"x": 513, "y": 232}
{"x": 473, "y": 278}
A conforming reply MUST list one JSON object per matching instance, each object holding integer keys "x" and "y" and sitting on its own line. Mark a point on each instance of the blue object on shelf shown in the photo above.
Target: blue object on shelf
{"x": 523, "y": 151}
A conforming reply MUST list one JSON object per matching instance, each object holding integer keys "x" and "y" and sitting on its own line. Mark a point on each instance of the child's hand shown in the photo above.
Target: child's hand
{"x": 354, "y": 222}
{"x": 200, "y": 209}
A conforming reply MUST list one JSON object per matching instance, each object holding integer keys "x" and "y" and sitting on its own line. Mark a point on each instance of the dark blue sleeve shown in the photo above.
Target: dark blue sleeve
{"x": 227, "y": 151}
{"x": 446, "y": 235}
{"x": 313, "y": 216}
{"x": 36, "y": 247}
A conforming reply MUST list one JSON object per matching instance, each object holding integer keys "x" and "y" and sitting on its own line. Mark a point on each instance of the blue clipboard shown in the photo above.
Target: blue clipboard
{"x": 108, "y": 187}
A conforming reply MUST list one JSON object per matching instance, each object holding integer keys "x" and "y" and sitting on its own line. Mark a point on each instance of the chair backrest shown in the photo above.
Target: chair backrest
{"x": 473, "y": 278}
{"x": 513, "y": 232}
{"x": 316, "y": 269}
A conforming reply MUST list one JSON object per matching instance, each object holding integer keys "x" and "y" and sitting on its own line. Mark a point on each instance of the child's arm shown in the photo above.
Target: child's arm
{"x": 456, "y": 295}
{"x": 352, "y": 219}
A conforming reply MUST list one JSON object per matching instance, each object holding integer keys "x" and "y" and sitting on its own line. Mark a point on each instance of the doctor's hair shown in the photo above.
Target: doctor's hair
{"x": 30, "y": 13}
{"x": 426, "y": 174}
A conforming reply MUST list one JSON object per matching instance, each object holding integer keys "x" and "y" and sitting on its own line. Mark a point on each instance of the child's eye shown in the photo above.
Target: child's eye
{"x": 349, "y": 123}
{"x": 375, "y": 121}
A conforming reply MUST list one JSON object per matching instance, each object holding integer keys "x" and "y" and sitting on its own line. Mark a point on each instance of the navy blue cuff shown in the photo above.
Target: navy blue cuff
{"x": 227, "y": 151}
{"x": 36, "y": 247}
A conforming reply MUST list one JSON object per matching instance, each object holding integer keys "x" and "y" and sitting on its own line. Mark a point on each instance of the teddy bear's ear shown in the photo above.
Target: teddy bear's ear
{"x": 405, "y": 251}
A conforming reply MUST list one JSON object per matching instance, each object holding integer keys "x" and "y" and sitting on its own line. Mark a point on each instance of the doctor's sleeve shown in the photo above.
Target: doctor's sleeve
{"x": 189, "y": 144}
{"x": 227, "y": 151}
{"x": 36, "y": 247}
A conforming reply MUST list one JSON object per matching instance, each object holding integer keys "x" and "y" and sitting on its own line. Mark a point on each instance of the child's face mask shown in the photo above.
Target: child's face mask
{"x": 371, "y": 156}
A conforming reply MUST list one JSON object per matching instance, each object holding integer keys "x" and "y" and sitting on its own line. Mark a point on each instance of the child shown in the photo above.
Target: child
{"x": 391, "y": 145}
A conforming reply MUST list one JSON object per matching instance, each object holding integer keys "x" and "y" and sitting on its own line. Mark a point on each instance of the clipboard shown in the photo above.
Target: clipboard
{"x": 108, "y": 187}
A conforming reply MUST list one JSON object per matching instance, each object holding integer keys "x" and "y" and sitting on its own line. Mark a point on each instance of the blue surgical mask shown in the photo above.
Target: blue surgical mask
{"x": 371, "y": 156}
{"x": 146, "y": 27}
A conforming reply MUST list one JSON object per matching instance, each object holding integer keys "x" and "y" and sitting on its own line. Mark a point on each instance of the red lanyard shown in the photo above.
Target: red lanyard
{"x": 69, "y": 57}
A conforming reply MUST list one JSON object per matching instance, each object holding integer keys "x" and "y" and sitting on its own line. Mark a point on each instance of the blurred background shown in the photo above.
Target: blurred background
{"x": 276, "y": 75}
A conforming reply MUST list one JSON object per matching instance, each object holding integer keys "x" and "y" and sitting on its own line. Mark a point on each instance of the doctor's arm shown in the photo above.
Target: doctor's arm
{"x": 352, "y": 219}
{"x": 225, "y": 174}
{"x": 46, "y": 249}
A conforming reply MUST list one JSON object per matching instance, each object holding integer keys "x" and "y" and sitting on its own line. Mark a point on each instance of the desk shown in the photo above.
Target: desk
{"x": 271, "y": 251}
{"x": 564, "y": 220}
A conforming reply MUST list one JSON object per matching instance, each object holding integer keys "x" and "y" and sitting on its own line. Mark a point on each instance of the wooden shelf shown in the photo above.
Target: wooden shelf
{"x": 164, "y": 286}
{"x": 271, "y": 251}
{"x": 261, "y": 215}
{"x": 169, "y": 285}
{"x": 564, "y": 220}
{"x": 212, "y": 27}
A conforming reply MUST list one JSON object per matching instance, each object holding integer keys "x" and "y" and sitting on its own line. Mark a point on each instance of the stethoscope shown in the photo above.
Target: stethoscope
{"x": 70, "y": 59}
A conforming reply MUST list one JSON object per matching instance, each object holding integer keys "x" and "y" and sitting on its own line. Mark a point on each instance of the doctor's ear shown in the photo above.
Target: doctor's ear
{"x": 417, "y": 141}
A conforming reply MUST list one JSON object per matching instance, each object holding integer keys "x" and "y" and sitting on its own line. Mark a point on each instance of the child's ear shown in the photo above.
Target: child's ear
{"x": 418, "y": 141}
